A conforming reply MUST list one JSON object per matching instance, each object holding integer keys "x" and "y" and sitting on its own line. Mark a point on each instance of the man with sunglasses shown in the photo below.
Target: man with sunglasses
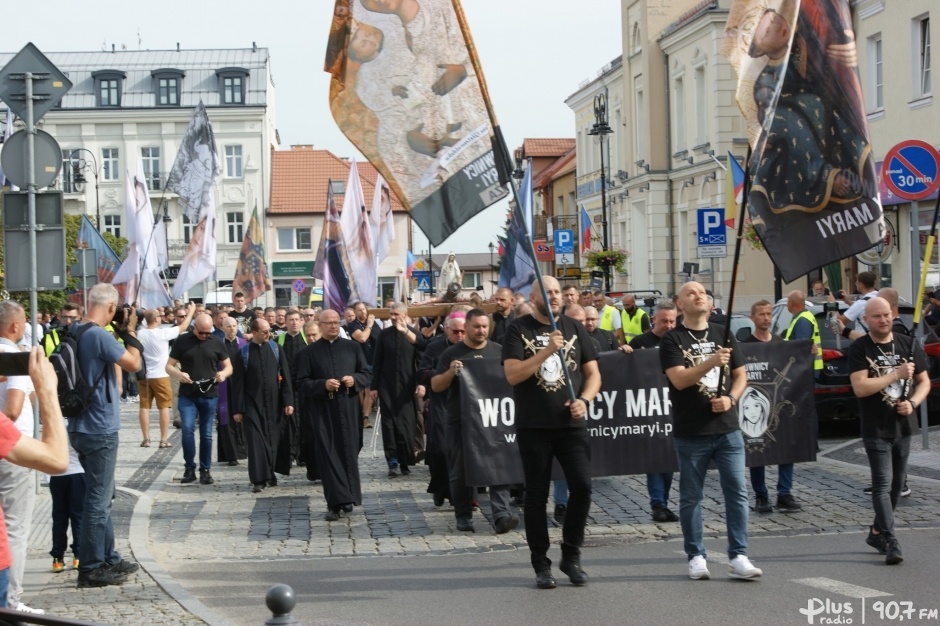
{"x": 198, "y": 355}
{"x": 67, "y": 315}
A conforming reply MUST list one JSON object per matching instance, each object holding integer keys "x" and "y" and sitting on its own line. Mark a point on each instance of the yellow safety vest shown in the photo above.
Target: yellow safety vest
{"x": 818, "y": 360}
{"x": 607, "y": 318}
{"x": 50, "y": 341}
{"x": 632, "y": 326}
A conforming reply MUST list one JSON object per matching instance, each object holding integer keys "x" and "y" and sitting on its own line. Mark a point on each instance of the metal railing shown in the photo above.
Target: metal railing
{"x": 559, "y": 222}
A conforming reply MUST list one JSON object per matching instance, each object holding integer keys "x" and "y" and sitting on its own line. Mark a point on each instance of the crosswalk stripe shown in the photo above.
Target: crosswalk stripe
{"x": 843, "y": 588}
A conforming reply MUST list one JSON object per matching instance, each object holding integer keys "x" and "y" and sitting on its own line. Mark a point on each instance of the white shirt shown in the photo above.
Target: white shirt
{"x": 24, "y": 423}
{"x": 855, "y": 311}
{"x": 157, "y": 349}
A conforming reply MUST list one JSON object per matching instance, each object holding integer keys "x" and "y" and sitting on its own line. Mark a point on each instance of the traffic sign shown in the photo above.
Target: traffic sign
{"x": 563, "y": 258}
{"x": 543, "y": 250}
{"x": 711, "y": 227}
{"x": 424, "y": 282}
{"x": 47, "y": 158}
{"x": 564, "y": 242}
{"x": 299, "y": 286}
{"x": 712, "y": 252}
{"x": 50, "y": 84}
{"x": 911, "y": 169}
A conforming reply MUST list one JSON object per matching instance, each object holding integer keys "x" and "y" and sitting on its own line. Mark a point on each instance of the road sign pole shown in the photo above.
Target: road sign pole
{"x": 31, "y": 199}
{"x": 915, "y": 281}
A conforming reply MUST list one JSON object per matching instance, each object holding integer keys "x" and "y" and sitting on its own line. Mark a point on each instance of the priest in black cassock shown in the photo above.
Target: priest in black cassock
{"x": 331, "y": 373}
{"x": 292, "y": 342}
{"x": 394, "y": 371}
{"x": 266, "y": 396}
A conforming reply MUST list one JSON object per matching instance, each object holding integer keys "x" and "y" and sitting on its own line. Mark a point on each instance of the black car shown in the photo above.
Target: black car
{"x": 834, "y": 397}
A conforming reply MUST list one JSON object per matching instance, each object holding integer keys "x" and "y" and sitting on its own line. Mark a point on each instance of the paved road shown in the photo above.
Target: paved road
{"x": 209, "y": 553}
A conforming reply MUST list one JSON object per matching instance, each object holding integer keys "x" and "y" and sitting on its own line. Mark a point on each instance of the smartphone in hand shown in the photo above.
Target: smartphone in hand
{"x": 14, "y": 363}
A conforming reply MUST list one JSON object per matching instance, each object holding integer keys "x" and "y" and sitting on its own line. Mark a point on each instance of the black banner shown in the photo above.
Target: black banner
{"x": 630, "y": 420}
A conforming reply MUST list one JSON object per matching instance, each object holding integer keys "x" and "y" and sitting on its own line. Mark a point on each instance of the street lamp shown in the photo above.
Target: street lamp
{"x": 601, "y": 128}
{"x": 79, "y": 168}
{"x": 492, "y": 267}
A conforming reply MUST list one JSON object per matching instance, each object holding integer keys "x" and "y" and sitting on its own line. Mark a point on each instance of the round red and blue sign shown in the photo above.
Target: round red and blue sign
{"x": 911, "y": 169}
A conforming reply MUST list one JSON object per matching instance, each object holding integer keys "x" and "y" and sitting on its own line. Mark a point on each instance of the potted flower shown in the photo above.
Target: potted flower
{"x": 612, "y": 258}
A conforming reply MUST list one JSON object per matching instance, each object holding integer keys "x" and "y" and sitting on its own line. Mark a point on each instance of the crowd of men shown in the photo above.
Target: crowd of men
{"x": 287, "y": 387}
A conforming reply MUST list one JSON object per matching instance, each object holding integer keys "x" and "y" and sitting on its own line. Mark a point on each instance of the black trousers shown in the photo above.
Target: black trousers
{"x": 572, "y": 448}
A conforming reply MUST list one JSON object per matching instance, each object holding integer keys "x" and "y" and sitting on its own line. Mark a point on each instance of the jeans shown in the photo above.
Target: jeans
{"x": 560, "y": 492}
{"x": 572, "y": 448}
{"x": 98, "y": 455}
{"x": 658, "y": 486}
{"x": 784, "y": 480}
{"x": 129, "y": 385}
{"x": 68, "y": 500}
{"x": 888, "y": 461}
{"x": 205, "y": 407}
{"x": 17, "y": 495}
{"x": 4, "y": 583}
{"x": 694, "y": 455}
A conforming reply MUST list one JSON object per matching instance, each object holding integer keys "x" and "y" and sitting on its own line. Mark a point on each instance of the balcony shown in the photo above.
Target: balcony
{"x": 559, "y": 222}
{"x": 176, "y": 249}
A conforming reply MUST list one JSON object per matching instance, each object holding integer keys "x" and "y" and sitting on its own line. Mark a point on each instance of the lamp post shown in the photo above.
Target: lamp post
{"x": 79, "y": 168}
{"x": 601, "y": 128}
{"x": 492, "y": 267}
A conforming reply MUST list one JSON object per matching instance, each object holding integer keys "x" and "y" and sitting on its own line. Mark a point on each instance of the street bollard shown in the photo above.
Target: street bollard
{"x": 281, "y": 601}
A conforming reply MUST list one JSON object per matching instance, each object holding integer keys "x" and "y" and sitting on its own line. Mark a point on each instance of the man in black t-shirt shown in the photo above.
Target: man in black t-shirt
{"x": 199, "y": 355}
{"x": 242, "y": 314}
{"x": 550, "y": 425}
{"x": 444, "y": 381}
{"x": 705, "y": 382}
{"x": 363, "y": 330}
{"x": 882, "y": 376}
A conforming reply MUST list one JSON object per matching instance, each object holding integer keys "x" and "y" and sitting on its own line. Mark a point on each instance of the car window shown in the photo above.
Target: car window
{"x": 781, "y": 319}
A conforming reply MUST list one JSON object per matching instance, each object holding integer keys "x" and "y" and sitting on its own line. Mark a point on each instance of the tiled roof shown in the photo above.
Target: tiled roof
{"x": 563, "y": 165}
{"x": 300, "y": 178}
{"x": 546, "y": 147}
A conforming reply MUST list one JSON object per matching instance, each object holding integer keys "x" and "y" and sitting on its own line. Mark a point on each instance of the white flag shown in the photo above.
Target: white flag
{"x": 199, "y": 264}
{"x": 196, "y": 166}
{"x": 357, "y": 236}
{"x": 383, "y": 224}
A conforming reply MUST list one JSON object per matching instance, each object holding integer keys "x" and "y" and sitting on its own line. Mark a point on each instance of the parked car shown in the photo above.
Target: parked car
{"x": 834, "y": 397}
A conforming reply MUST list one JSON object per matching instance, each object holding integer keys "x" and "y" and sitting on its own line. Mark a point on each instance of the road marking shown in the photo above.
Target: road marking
{"x": 837, "y": 586}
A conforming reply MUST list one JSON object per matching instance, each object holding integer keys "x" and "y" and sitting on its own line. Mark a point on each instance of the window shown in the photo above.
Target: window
{"x": 472, "y": 280}
{"x": 234, "y": 227}
{"x": 636, "y": 38}
{"x": 293, "y": 239}
{"x": 110, "y": 164}
{"x": 638, "y": 124}
{"x": 151, "y": 159}
{"x": 70, "y": 160}
{"x": 680, "y": 115}
{"x": 188, "y": 228}
{"x": 108, "y": 87}
{"x": 922, "y": 64}
{"x": 876, "y": 96}
{"x": 232, "y": 82}
{"x": 701, "y": 107}
{"x": 166, "y": 86}
{"x": 112, "y": 224}
{"x": 233, "y": 161}
{"x": 338, "y": 187}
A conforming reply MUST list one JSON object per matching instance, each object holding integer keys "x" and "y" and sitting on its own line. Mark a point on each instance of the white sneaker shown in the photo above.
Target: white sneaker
{"x": 698, "y": 569}
{"x": 22, "y": 608}
{"x": 741, "y": 567}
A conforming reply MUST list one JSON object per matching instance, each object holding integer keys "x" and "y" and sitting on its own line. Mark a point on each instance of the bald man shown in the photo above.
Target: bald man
{"x": 502, "y": 315}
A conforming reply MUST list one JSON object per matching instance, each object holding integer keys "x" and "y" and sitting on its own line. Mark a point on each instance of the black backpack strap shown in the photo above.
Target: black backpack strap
{"x": 78, "y": 335}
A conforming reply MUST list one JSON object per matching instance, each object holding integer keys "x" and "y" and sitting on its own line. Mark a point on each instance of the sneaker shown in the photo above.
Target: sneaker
{"x": 894, "y": 552}
{"x": 877, "y": 542}
{"x": 101, "y": 577}
{"x": 788, "y": 503}
{"x": 698, "y": 568}
{"x": 22, "y": 608}
{"x": 572, "y": 568}
{"x": 506, "y": 524}
{"x": 189, "y": 476}
{"x": 867, "y": 490}
{"x": 741, "y": 567}
{"x": 905, "y": 491}
{"x": 135, "y": 399}
{"x": 125, "y": 400}
{"x": 124, "y": 567}
{"x": 205, "y": 478}
{"x": 74, "y": 563}
{"x": 58, "y": 565}
{"x": 560, "y": 511}
{"x": 661, "y": 513}
{"x": 763, "y": 505}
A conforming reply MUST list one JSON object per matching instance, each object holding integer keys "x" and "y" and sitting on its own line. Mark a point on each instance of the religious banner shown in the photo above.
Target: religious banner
{"x": 251, "y": 272}
{"x": 405, "y": 93}
{"x": 630, "y": 420}
{"x": 332, "y": 263}
{"x": 813, "y": 193}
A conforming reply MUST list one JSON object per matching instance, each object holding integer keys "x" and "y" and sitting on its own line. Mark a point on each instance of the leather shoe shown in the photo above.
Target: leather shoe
{"x": 205, "y": 478}
{"x": 189, "y": 476}
{"x": 257, "y": 488}
{"x": 347, "y": 508}
{"x": 438, "y": 499}
{"x": 544, "y": 579}
{"x": 506, "y": 524}
{"x": 331, "y": 516}
{"x": 405, "y": 470}
{"x": 101, "y": 577}
{"x": 465, "y": 525}
{"x": 124, "y": 567}
{"x": 572, "y": 568}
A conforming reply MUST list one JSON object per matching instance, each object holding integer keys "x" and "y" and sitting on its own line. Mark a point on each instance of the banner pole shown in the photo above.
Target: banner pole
{"x": 504, "y": 168}
{"x": 919, "y": 303}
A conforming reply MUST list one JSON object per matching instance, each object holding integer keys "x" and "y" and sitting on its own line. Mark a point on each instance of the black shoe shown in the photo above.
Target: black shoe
{"x": 661, "y": 513}
{"x": 272, "y": 482}
{"x": 560, "y": 511}
{"x": 177, "y": 424}
{"x": 257, "y": 488}
{"x": 232, "y": 463}
{"x": 439, "y": 499}
{"x": 419, "y": 456}
{"x": 544, "y": 579}
{"x": 905, "y": 491}
{"x": 331, "y": 515}
{"x": 189, "y": 476}
{"x": 405, "y": 470}
{"x": 347, "y": 508}
{"x": 205, "y": 478}
{"x": 867, "y": 490}
{"x": 392, "y": 470}
{"x": 517, "y": 501}
{"x": 465, "y": 526}
{"x": 788, "y": 504}
{"x": 763, "y": 505}
{"x": 572, "y": 568}
{"x": 101, "y": 577}
{"x": 506, "y": 524}
{"x": 894, "y": 552}
{"x": 124, "y": 567}
{"x": 877, "y": 542}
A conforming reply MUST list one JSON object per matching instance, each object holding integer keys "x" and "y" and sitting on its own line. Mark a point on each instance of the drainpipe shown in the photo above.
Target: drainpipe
{"x": 672, "y": 231}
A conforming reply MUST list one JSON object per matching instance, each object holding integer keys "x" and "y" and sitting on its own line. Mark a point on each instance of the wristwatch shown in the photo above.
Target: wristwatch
{"x": 586, "y": 402}
{"x": 734, "y": 401}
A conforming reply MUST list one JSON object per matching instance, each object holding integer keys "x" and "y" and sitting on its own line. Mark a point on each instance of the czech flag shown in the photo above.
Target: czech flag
{"x": 733, "y": 190}
{"x": 411, "y": 262}
{"x": 585, "y": 229}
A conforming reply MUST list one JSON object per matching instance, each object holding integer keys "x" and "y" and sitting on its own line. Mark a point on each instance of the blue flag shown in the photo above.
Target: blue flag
{"x": 517, "y": 271}
{"x": 108, "y": 260}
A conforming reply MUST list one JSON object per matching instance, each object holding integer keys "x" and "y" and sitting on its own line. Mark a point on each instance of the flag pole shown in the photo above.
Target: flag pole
{"x": 726, "y": 335}
{"x": 504, "y": 169}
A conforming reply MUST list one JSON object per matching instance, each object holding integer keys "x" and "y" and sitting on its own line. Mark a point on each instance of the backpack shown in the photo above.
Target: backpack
{"x": 75, "y": 394}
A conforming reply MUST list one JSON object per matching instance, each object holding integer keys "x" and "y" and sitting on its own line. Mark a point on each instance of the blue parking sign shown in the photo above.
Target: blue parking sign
{"x": 564, "y": 242}
{"x": 711, "y": 227}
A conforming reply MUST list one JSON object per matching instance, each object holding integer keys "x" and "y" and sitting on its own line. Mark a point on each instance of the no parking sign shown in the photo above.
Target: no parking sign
{"x": 911, "y": 169}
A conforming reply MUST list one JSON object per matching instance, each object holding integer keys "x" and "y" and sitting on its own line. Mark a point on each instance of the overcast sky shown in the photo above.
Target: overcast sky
{"x": 534, "y": 54}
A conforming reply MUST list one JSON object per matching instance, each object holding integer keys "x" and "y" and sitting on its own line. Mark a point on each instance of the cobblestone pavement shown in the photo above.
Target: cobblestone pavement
{"x": 160, "y": 522}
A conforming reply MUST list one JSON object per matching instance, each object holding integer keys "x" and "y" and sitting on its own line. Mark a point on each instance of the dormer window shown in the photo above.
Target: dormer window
{"x": 232, "y": 85}
{"x": 167, "y": 83}
{"x": 109, "y": 87}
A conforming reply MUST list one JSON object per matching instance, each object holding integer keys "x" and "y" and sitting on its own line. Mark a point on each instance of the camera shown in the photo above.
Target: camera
{"x": 649, "y": 302}
{"x": 829, "y": 307}
{"x": 122, "y": 314}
